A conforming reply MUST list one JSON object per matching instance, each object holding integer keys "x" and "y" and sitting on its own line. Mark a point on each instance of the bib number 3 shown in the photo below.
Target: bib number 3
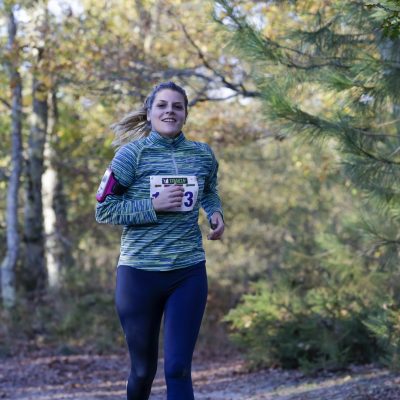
{"x": 158, "y": 183}
{"x": 189, "y": 197}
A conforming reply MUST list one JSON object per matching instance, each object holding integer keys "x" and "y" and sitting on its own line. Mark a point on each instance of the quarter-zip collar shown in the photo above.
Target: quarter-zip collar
{"x": 169, "y": 143}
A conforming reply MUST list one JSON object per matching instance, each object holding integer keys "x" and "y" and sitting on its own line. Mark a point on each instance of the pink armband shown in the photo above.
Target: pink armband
{"x": 109, "y": 185}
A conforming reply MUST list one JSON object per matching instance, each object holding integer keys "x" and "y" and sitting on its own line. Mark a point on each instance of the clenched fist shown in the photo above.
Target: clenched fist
{"x": 217, "y": 227}
{"x": 170, "y": 197}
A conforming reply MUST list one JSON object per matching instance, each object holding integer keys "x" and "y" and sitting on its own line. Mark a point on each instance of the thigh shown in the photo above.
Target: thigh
{"x": 139, "y": 304}
{"x": 184, "y": 311}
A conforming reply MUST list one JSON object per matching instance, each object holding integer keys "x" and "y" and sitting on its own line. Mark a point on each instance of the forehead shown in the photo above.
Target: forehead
{"x": 169, "y": 95}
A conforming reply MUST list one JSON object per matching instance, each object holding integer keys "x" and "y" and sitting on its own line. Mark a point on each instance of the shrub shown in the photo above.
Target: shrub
{"x": 279, "y": 328}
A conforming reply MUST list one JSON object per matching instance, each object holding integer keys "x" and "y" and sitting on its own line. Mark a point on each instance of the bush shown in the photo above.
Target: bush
{"x": 80, "y": 315}
{"x": 292, "y": 335}
{"x": 385, "y": 325}
{"x": 311, "y": 321}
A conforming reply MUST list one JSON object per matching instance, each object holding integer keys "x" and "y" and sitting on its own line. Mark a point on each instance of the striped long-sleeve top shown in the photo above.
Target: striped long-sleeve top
{"x": 160, "y": 240}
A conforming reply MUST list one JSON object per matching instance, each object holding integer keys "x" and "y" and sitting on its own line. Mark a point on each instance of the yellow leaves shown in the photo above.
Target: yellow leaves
{"x": 47, "y": 81}
{"x": 99, "y": 108}
{"x": 247, "y": 321}
{"x": 41, "y": 95}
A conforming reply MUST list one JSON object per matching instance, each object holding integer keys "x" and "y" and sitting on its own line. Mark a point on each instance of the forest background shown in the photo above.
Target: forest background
{"x": 299, "y": 100}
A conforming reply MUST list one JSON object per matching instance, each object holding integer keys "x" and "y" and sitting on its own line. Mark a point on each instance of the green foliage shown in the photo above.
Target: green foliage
{"x": 330, "y": 76}
{"x": 80, "y": 316}
{"x": 385, "y": 325}
{"x": 279, "y": 328}
{"x": 388, "y": 13}
{"x": 314, "y": 320}
{"x": 290, "y": 214}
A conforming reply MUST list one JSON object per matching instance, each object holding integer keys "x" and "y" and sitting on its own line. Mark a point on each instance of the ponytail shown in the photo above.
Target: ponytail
{"x": 133, "y": 126}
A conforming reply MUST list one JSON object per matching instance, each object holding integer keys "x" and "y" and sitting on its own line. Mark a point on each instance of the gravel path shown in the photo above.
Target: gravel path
{"x": 88, "y": 377}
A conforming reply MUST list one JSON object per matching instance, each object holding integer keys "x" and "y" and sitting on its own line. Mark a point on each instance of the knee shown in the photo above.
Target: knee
{"x": 177, "y": 370}
{"x": 144, "y": 375}
{"x": 139, "y": 383}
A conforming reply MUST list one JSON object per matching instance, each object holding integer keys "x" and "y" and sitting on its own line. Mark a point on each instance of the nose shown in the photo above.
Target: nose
{"x": 169, "y": 108}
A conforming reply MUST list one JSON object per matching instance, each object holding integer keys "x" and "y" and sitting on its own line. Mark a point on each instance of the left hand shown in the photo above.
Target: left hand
{"x": 219, "y": 226}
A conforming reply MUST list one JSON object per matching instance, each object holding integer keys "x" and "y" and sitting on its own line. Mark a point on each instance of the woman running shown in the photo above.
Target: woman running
{"x": 154, "y": 187}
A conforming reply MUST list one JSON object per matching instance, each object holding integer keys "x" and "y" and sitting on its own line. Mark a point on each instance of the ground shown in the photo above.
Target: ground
{"x": 102, "y": 377}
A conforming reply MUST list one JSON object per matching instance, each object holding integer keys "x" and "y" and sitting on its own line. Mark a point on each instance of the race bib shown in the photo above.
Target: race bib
{"x": 158, "y": 183}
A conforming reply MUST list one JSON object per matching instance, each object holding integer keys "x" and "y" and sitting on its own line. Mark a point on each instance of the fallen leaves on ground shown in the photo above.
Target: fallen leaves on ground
{"x": 95, "y": 377}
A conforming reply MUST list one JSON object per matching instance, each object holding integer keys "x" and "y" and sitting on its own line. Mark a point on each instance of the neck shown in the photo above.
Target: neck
{"x": 172, "y": 136}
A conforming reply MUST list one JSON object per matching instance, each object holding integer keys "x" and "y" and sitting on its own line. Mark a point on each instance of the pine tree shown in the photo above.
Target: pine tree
{"x": 332, "y": 73}
{"x": 328, "y": 72}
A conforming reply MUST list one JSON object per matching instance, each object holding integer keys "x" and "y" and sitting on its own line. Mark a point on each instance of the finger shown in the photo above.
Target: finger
{"x": 175, "y": 188}
{"x": 217, "y": 233}
{"x": 218, "y": 228}
{"x": 216, "y": 219}
{"x": 176, "y": 200}
{"x": 213, "y": 237}
{"x": 174, "y": 203}
{"x": 172, "y": 206}
{"x": 174, "y": 195}
{"x": 217, "y": 237}
{"x": 215, "y": 223}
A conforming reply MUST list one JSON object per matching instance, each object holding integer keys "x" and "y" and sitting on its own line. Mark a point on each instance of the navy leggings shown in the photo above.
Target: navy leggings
{"x": 141, "y": 298}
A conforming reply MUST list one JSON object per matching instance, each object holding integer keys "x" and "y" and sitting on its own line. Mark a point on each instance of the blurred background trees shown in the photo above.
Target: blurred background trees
{"x": 302, "y": 111}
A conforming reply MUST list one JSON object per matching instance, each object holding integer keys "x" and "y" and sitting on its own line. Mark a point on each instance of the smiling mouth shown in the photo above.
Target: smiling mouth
{"x": 168, "y": 120}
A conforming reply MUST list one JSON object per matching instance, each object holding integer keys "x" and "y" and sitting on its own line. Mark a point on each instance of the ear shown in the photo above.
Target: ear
{"x": 148, "y": 116}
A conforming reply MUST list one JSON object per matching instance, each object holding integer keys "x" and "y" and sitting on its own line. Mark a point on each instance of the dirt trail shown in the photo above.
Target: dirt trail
{"x": 88, "y": 377}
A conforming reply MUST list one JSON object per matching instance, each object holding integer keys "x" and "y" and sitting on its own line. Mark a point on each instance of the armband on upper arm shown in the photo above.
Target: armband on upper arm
{"x": 109, "y": 185}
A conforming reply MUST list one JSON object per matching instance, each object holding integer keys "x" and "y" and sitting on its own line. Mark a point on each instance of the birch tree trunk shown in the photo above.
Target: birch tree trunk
{"x": 35, "y": 274}
{"x": 10, "y": 260}
{"x": 58, "y": 255}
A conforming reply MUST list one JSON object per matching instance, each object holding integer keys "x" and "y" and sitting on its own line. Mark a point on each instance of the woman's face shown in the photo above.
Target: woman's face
{"x": 167, "y": 114}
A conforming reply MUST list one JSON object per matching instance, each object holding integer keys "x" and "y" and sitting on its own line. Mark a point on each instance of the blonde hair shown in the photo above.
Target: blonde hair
{"x": 134, "y": 125}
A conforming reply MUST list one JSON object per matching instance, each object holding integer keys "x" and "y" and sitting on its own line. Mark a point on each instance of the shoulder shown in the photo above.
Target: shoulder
{"x": 131, "y": 149}
{"x": 125, "y": 161}
{"x": 130, "y": 153}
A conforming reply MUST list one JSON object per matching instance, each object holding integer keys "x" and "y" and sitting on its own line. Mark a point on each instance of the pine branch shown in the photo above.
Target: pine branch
{"x": 258, "y": 46}
{"x": 238, "y": 88}
{"x": 6, "y": 103}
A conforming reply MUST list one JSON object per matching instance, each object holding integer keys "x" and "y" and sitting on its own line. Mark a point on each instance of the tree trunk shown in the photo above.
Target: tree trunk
{"x": 58, "y": 254}
{"x": 35, "y": 275}
{"x": 144, "y": 23}
{"x": 10, "y": 260}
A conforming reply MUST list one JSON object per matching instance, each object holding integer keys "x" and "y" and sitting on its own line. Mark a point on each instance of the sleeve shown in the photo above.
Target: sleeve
{"x": 210, "y": 200}
{"x": 115, "y": 209}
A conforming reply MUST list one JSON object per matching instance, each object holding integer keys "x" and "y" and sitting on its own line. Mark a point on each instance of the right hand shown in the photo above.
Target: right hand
{"x": 170, "y": 197}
